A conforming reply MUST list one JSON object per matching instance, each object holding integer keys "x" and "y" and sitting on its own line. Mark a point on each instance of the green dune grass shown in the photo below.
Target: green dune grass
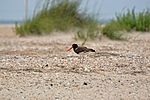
{"x": 127, "y": 22}
{"x": 59, "y": 16}
{"x": 63, "y": 15}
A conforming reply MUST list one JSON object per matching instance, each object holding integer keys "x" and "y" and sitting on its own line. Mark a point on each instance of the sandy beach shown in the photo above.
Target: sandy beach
{"x": 39, "y": 68}
{"x": 7, "y": 30}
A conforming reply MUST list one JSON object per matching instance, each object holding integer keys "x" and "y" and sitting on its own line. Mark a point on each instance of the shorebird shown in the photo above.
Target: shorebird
{"x": 77, "y": 49}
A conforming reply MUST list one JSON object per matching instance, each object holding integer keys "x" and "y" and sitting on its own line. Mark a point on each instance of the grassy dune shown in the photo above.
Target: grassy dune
{"x": 57, "y": 16}
{"x": 63, "y": 15}
{"x": 127, "y": 22}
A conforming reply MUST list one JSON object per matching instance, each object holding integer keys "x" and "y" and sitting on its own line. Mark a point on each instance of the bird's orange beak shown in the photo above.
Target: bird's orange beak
{"x": 69, "y": 49}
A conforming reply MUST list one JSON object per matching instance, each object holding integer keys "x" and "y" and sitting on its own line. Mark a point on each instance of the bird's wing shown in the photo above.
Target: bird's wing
{"x": 81, "y": 49}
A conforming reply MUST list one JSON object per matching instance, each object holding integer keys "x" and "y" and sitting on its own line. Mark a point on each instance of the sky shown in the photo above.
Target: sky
{"x": 105, "y": 9}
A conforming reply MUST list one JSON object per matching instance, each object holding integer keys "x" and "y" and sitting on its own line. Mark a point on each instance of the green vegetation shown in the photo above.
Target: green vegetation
{"x": 56, "y": 16}
{"x": 63, "y": 15}
{"x": 129, "y": 21}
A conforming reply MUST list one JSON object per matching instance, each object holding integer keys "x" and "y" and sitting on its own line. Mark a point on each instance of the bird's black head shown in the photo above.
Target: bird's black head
{"x": 74, "y": 46}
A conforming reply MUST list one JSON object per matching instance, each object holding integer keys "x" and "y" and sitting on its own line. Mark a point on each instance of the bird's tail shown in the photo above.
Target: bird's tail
{"x": 92, "y": 50}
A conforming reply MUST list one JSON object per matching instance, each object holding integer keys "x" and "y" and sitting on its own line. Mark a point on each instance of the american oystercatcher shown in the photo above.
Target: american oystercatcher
{"x": 77, "y": 49}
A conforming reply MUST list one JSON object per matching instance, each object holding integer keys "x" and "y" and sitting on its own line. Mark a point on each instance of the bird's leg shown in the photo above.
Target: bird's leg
{"x": 82, "y": 59}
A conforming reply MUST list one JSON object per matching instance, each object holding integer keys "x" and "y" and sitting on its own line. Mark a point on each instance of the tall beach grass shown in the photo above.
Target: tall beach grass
{"x": 62, "y": 15}
{"x": 127, "y": 22}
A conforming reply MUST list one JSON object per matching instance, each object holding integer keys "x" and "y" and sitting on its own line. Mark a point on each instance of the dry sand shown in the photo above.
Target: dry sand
{"x": 39, "y": 68}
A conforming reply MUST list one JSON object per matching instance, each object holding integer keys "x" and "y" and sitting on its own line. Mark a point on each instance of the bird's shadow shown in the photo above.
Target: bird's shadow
{"x": 93, "y": 55}
{"x": 107, "y": 54}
